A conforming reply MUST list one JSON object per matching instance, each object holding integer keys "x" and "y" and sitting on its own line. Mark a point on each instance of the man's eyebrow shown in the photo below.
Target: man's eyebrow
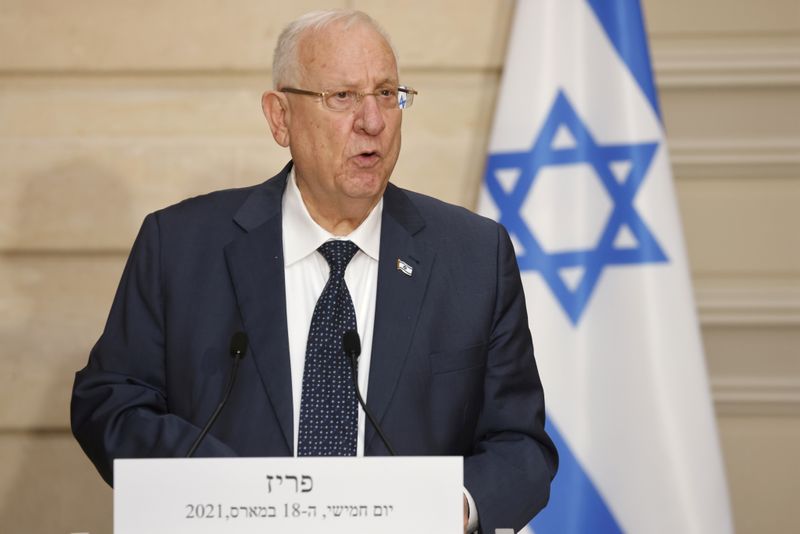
{"x": 357, "y": 85}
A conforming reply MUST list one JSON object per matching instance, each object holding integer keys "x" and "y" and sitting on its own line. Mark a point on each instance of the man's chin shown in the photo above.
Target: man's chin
{"x": 365, "y": 184}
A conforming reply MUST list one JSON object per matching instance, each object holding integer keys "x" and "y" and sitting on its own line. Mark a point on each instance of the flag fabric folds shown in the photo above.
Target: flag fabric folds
{"x": 578, "y": 172}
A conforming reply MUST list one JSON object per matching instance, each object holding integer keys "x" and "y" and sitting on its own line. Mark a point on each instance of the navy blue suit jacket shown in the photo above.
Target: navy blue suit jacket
{"x": 452, "y": 370}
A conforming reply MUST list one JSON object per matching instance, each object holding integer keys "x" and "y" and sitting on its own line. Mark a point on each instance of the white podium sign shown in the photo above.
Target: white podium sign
{"x": 289, "y": 495}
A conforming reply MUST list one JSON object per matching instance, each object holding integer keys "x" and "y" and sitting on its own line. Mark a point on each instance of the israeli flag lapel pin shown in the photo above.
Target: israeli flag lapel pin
{"x": 404, "y": 268}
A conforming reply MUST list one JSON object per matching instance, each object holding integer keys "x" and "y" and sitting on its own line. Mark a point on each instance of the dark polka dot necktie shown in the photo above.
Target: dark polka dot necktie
{"x": 328, "y": 410}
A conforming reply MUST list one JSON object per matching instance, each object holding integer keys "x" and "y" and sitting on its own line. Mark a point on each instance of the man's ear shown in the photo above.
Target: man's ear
{"x": 276, "y": 110}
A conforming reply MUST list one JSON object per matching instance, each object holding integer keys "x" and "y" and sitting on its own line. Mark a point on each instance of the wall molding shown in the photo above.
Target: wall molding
{"x": 755, "y": 303}
{"x": 736, "y": 158}
{"x": 756, "y": 396}
{"x": 726, "y": 61}
{"x": 748, "y": 303}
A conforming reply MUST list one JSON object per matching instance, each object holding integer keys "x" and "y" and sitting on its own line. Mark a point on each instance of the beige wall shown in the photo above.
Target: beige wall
{"x": 111, "y": 109}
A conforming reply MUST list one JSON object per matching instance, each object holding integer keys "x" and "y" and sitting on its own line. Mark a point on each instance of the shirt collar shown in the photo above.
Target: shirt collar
{"x": 302, "y": 235}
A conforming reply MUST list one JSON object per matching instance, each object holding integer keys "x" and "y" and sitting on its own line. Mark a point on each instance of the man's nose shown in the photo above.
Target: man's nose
{"x": 369, "y": 116}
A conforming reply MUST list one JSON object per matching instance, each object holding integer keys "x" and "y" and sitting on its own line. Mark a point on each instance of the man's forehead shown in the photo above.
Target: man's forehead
{"x": 333, "y": 40}
{"x": 337, "y": 62}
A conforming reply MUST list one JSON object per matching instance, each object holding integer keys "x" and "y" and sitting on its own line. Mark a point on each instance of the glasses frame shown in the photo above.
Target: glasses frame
{"x": 359, "y": 96}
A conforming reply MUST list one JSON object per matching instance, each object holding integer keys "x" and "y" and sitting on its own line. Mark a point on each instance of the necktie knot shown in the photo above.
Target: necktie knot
{"x": 338, "y": 254}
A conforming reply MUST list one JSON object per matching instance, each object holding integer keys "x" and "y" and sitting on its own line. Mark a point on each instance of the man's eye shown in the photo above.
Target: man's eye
{"x": 388, "y": 92}
{"x": 343, "y": 95}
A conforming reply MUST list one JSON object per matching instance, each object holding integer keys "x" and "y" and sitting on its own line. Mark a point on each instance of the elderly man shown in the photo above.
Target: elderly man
{"x": 326, "y": 246}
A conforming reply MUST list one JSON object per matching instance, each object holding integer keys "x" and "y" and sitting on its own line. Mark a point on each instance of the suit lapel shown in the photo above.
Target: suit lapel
{"x": 255, "y": 263}
{"x": 399, "y": 298}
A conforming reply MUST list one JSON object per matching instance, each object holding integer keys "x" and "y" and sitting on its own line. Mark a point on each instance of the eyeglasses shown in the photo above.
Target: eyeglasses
{"x": 346, "y": 99}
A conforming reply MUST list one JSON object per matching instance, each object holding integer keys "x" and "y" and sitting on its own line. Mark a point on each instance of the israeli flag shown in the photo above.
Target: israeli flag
{"x": 578, "y": 172}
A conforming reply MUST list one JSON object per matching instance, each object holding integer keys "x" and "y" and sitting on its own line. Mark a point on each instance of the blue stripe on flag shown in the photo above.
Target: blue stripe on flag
{"x": 624, "y": 25}
{"x": 575, "y": 507}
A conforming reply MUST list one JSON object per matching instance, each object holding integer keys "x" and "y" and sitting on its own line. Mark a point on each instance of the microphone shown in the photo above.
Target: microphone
{"x": 237, "y": 352}
{"x": 352, "y": 348}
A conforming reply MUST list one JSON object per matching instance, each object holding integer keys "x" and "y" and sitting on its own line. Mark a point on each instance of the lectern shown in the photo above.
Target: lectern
{"x": 369, "y": 495}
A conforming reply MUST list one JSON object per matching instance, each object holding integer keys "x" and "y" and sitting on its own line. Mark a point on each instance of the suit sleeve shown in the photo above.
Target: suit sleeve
{"x": 119, "y": 403}
{"x": 514, "y": 461}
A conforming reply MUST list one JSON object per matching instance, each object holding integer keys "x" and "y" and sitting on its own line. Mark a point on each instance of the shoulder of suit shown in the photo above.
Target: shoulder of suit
{"x": 437, "y": 211}
{"x": 224, "y": 204}
{"x": 223, "y": 201}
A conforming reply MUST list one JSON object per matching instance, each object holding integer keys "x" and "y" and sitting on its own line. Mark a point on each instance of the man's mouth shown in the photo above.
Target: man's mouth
{"x": 367, "y": 159}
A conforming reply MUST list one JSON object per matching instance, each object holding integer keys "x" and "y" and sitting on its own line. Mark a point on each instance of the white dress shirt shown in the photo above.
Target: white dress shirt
{"x": 307, "y": 272}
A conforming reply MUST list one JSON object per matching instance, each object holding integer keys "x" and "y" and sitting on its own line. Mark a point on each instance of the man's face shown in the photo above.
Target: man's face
{"x": 344, "y": 156}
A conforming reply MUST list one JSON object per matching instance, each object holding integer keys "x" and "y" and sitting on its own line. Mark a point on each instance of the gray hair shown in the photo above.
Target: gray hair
{"x": 285, "y": 62}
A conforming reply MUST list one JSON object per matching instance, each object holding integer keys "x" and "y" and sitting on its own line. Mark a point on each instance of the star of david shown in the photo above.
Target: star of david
{"x": 625, "y": 239}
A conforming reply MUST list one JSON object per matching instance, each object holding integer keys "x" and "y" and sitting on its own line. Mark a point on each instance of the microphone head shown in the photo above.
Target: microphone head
{"x": 351, "y": 343}
{"x": 238, "y": 345}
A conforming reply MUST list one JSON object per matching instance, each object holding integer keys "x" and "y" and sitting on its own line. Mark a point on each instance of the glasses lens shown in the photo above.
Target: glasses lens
{"x": 405, "y": 97}
{"x": 341, "y": 100}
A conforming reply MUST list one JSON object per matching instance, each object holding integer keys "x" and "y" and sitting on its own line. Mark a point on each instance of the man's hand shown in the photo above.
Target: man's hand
{"x": 466, "y": 514}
